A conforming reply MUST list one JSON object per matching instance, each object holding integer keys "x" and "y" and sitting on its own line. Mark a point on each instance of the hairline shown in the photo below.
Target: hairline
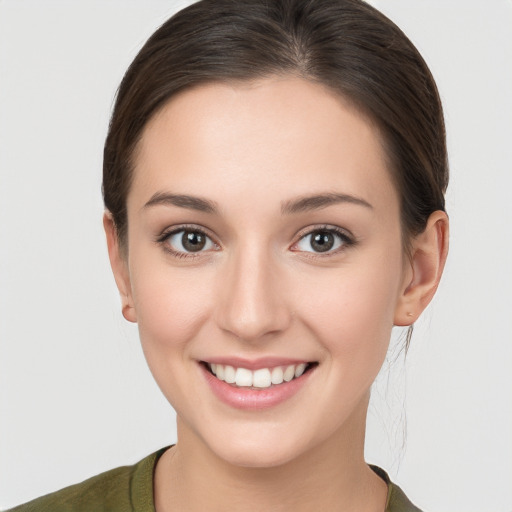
{"x": 349, "y": 102}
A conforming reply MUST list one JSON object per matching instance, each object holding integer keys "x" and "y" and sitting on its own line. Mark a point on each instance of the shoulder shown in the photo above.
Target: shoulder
{"x": 121, "y": 489}
{"x": 397, "y": 500}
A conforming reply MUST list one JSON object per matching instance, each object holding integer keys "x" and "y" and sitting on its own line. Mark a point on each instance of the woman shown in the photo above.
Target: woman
{"x": 274, "y": 179}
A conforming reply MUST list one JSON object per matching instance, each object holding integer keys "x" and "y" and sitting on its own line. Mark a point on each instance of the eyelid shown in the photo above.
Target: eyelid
{"x": 173, "y": 230}
{"x": 345, "y": 235}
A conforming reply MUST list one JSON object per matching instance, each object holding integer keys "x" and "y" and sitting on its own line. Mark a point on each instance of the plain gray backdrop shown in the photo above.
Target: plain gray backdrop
{"x": 76, "y": 397}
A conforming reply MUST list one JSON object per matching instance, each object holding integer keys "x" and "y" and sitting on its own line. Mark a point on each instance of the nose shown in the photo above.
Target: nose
{"x": 251, "y": 297}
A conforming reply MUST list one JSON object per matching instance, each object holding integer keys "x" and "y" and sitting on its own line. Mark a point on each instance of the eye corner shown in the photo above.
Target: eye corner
{"x": 335, "y": 238}
{"x": 173, "y": 241}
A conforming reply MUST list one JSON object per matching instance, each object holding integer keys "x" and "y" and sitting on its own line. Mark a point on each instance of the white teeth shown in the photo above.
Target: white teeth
{"x": 300, "y": 369}
{"x": 261, "y": 378}
{"x": 243, "y": 377}
{"x": 289, "y": 373}
{"x": 229, "y": 374}
{"x": 277, "y": 375}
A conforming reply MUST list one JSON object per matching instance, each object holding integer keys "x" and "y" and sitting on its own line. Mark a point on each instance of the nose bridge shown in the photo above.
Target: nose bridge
{"x": 251, "y": 301}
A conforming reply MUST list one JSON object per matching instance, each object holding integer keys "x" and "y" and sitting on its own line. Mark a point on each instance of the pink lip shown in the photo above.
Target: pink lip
{"x": 252, "y": 399}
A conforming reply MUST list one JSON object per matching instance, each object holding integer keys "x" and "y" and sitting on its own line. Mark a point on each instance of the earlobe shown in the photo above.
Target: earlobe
{"x": 119, "y": 265}
{"x": 128, "y": 311}
{"x": 428, "y": 255}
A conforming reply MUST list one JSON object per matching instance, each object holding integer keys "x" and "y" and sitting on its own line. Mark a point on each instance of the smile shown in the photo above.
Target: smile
{"x": 256, "y": 384}
{"x": 261, "y": 378}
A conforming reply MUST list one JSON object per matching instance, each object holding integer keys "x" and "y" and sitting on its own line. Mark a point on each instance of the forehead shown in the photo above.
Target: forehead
{"x": 278, "y": 134}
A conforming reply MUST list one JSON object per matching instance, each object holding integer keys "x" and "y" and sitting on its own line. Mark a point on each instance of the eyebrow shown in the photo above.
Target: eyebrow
{"x": 183, "y": 201}
{"x": 299, "y": 205}
{"x": 318, "y": 201}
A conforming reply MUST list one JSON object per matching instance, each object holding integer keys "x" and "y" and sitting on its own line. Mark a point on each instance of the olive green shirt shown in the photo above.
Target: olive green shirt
{"x": 130, "y": 489}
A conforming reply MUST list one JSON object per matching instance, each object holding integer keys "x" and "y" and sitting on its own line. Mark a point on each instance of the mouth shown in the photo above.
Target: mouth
{"x": 261, "y": 378}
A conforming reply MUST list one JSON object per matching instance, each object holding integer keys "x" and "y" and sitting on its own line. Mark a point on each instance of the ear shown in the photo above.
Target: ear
{"x": 119, "y": 264}
{"x": 425, "y": 267}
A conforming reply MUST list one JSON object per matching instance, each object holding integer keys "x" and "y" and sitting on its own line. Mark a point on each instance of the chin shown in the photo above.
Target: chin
{"x": 257, "y": 456}
{"x": 254, "y": 448}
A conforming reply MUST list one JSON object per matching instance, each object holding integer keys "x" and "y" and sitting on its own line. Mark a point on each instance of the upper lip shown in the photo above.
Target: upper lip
{"x": 255, "y": 364}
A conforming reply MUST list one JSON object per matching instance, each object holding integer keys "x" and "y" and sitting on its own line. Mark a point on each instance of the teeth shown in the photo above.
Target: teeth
{"x": 289, "y": 373}
{"x": 229, "y": 374}
{"x": 300, "y": 369}
{"x": 262, "y": 378}
{"x": 277, "y": 375}
{"x": 243, "y": 377}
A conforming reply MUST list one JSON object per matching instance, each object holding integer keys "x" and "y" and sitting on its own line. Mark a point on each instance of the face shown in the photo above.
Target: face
{"x": 264, "y": 246}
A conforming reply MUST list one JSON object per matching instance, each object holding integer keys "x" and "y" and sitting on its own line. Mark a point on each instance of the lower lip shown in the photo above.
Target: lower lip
{"x": 247, "y": 398}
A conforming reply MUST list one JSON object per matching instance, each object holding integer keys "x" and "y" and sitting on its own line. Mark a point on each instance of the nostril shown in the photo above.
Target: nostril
{"x": 250, "y": 305}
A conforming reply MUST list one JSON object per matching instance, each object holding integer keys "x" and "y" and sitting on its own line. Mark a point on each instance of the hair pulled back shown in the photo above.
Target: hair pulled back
{"x": 345, "y": 45}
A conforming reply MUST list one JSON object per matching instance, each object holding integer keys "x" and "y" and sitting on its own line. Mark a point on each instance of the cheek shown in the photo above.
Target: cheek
{"x": 351, "y": 310}
{"x": 171, "y": 310}
{"x": 171, "y": 307}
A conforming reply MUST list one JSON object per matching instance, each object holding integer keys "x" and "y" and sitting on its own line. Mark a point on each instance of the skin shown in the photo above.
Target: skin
{"x": 260, "y": 289}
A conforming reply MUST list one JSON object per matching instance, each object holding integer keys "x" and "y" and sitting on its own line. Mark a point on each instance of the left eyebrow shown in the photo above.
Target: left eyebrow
{"x": 318, "y": 201}
{"x": 182, "y": 201}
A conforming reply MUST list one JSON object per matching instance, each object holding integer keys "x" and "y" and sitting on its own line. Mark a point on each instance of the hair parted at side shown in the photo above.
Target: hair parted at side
{"x": 346, "y": 45}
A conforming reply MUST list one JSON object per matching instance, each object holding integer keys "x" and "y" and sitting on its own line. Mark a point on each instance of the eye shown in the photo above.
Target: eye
{"x": 323, "y": 241}
{"x": 187, "y": 241}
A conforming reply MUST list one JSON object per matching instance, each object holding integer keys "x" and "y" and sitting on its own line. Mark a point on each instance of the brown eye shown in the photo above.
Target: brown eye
{"x": 323, "y": 241}
{"x": 193, "y": 241}
{"x": 188, "y": 241}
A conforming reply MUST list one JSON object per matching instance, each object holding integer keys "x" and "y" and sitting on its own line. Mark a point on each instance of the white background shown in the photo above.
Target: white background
{"x": 75, "y": 395}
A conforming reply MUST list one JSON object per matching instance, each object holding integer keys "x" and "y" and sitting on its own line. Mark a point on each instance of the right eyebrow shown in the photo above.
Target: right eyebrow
{"x": 183, "y": 201}
{"x": 318, "y": 201}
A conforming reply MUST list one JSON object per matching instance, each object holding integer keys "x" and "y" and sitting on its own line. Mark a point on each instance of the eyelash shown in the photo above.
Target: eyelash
{"x": 346, "y": 239}
{"x": 166, "y": 235}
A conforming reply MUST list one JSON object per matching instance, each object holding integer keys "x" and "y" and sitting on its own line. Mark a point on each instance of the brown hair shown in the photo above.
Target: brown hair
{"x": 345, "y": 45}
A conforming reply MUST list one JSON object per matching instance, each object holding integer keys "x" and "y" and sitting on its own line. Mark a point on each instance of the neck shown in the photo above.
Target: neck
{"x": 332, "y": 475}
